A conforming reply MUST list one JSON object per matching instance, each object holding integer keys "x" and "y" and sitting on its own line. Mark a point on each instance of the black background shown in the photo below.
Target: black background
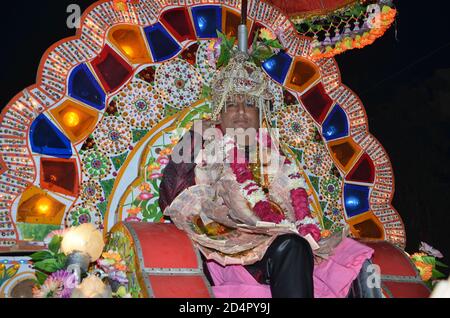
{"x": 403, "y": 79}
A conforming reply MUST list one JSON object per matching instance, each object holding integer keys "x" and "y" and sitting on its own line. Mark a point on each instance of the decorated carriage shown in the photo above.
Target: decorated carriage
{"x": 88, "y": 143}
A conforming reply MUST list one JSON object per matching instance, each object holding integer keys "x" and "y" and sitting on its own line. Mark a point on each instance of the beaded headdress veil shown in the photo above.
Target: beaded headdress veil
{"x": 241, "y": 76}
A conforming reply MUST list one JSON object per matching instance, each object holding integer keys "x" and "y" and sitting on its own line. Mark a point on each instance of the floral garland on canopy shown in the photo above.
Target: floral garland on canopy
{"x": 352, "y": 27}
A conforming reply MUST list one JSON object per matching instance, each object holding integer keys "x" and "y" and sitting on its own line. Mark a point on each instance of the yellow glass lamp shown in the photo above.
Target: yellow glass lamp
{"x": 37, "y": 207}
{"x": 78, "y": 121}
{"x": 303, "y": 75}
{"x": 44, "y": 206}
{"x": 128, "y": 39}
{"x": 71, "y": 119}
{"x": 231, "y": 20}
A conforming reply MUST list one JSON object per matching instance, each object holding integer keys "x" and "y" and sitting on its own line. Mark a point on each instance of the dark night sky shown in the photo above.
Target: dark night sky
{"x": 404, "y": 84}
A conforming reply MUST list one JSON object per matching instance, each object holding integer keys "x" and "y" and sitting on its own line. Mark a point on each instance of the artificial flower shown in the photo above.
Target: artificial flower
{"x": 266, "y": 35}
{"x": 163, "y": 160}
{"x": 121, "y": 267}
{"x": 166, "y": 152}
{"x": 145, "y": 187}
{"x": 312, "y": 229}
{"x": 145, "y": 196}
{"x": 52, "y": 234}
{"x": 118, "y": 276}
{"x": 156, "y": 176}
{"x": 134, "y": 211}
{"x": 425, "y": 270}
{"x": 153, "y": 167}
{"x": 112, "y": 255}
{"x": 58, "y": 285}
{"x": 213, "y": 52}
{"x": 424, "y": 247}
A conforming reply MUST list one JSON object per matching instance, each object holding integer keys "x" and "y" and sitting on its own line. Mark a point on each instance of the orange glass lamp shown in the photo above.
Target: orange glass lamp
{"x": 303, "y": 75}
{"x": 367, "y": 226}
{"x": 230, "y": 22}
{"x": 129, "y": 41}
{"x": 37, "y": 207}
{"x": 345, "y": 152}
{"x": 77, "y": 121}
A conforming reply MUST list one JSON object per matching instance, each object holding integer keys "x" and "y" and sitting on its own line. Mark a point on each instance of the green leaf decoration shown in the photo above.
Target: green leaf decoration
{"x": 206, "y": 92}
{"x": 47, "y": 265}
{"x": 429, "y": 260}
{"x": 438, "y": 263}
{"x": 327, "y": 223}
{"x": 437, "y": 274}
{"x": 138, "y": 134}
{"x": 55, "y": 243}
{"x": 262, "y": 53}
{"x": 323, "y": 205}
{"x": 225, "y": 56}
{"x": 170, "y": 111}
{"x": 298, "y": 153}
{"x": 40, "y": 256}
{"x": 315, "y": 183}
{"x": 107, "y": 186}
{"x": 61, "y": 260}
{"x": 102, "y": 207}
{"x": 119, "y": 160}
{"x": 41, "y": 277}
{"x": 274, "y": 44}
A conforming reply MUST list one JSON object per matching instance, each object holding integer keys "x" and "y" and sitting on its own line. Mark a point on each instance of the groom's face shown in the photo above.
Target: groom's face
{"x": 240, "y": 113}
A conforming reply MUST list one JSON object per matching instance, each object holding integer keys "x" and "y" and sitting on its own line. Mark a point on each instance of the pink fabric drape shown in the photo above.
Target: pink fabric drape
{"x": 332, "y": 278}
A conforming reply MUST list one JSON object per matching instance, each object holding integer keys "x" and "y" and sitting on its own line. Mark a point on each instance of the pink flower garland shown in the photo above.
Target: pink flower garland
{"x": 263, "y": 208}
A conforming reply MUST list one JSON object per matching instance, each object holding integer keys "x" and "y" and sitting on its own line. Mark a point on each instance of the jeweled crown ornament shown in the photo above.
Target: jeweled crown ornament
{"x": 240, "y": 71}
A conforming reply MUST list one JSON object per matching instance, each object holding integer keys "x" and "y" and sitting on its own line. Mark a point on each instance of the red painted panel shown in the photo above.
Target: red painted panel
{"x": 112, "y": 70}
{"x": 165, "y": 246}
{"x": 391, "y": 260}
{"x": 363, "y": 171}
{"x": 179, "y": 287}
{"x": 407, "y": 290}
{"x": 317, "y": 102}
{"x": 178, "y": 22}
{"x": 60, "y": 175}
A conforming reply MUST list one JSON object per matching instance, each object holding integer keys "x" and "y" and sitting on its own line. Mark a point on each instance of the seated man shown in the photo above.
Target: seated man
{"x": 288, "y": 263}
{"x": 239, "y": 198}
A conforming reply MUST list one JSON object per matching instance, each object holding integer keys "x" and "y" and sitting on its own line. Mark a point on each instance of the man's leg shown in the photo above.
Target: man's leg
{"x": 288, "y": 267}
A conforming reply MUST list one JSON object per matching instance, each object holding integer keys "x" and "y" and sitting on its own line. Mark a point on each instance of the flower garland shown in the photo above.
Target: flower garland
{"x": 262, "y": 207}
{"x": 357, "y": 39}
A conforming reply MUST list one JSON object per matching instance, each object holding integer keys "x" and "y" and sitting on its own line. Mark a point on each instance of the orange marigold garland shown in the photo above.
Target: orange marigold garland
{"x": 353, "y": 40}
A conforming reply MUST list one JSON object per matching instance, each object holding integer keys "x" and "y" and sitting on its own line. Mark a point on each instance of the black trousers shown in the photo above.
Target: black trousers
{"x": 287, "y": 267}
